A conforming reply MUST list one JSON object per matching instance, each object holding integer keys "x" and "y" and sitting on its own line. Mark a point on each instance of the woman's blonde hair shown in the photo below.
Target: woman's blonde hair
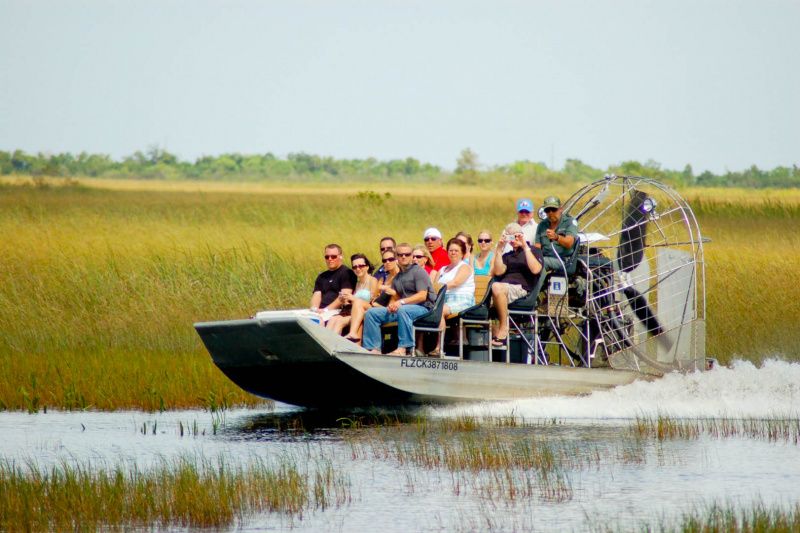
{"x": 424, "y": 250}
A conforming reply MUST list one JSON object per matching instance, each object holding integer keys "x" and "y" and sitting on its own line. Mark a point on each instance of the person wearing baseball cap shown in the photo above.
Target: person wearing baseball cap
{"x": 433, "y": 242}
{"x": 557, "y": 235}
{"x": 525, "y": 220}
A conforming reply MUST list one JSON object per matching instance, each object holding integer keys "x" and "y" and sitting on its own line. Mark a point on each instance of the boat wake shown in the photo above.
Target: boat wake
{"x": 742, "y": 390}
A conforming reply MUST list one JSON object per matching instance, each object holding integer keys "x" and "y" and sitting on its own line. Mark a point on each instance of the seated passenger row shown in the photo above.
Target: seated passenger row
{"x": 402, "y": 288}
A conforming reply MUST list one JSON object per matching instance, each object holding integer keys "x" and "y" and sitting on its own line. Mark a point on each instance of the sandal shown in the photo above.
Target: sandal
{"x": 400, "y": 352}
{"x": 353, "y": 339}
{"x": 435, "y": 353}
{"x": 499, "y": 344}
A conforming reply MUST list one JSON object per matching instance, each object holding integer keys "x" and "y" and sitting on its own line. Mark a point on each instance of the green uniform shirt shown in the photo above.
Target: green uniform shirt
{"x": 566, "y": 226}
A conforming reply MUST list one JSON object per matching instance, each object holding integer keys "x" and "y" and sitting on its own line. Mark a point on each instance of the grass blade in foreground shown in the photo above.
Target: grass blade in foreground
{"x": 184, "y": 492}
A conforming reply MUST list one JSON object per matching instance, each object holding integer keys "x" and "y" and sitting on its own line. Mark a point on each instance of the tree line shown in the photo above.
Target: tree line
{"x": 158, "y": 164}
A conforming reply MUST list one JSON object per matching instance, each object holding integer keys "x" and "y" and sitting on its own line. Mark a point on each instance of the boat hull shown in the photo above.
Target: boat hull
{"x": 293, "y": 360}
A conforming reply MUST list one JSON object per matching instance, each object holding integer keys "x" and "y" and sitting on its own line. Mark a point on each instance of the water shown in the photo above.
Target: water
{"x": 628, "y": 485}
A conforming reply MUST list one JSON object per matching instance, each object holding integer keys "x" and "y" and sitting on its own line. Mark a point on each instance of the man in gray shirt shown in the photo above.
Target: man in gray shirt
{"x": 413, "y": 298}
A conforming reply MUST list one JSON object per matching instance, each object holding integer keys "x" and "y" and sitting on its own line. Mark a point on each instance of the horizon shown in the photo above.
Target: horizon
{"x": 711, "y": 85}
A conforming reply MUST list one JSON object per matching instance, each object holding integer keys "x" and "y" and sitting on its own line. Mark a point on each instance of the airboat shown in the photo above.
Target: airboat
{"x": 627, "y": 305}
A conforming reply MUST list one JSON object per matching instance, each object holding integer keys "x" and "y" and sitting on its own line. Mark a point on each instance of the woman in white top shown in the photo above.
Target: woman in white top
{"x": 460, "y": 283}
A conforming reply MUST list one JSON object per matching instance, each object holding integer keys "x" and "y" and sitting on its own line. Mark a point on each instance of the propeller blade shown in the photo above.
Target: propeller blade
{"x": 642, "y": 311}
{"x": 632, "y": 241}
{"x": 634, "y": 231}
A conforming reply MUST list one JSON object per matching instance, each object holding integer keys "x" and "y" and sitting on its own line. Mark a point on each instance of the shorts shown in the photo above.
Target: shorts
{"x": 459, "y": 302}
{"x": 515, "y": 292}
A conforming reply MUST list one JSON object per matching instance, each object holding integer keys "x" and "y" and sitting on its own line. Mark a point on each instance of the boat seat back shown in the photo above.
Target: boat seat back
{"x": 432, "y": 318}
{"x": 527, "y": 304}
{"x": 479, "y": 311}
{"x": 481, "y": 287}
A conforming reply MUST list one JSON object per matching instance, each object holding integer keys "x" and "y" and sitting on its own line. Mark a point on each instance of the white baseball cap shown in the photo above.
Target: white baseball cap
{"x": 432, "y": 232}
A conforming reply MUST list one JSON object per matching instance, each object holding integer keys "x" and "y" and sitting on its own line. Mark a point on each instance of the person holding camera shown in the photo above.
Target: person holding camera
{"x": 516, "y": 272}
{"x": 557, "y": 231}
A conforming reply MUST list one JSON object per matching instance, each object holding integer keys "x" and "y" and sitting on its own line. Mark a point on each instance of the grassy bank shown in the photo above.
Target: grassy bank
{"x": 99, "y": 287}
{"x": 185, "y": 492}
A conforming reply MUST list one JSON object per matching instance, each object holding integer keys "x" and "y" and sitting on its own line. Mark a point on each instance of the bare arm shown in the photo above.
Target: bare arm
{"x": 417, "y": 298}
{"x": 498, "y": 266}
{"x": 533, "y": 264}
{"x": 344, "y": 294}
{"x": 565, "y": 240}
{"x": 463, "y": 274}
{"x": 374, "y": 288}
{"x": 316, "y": 299}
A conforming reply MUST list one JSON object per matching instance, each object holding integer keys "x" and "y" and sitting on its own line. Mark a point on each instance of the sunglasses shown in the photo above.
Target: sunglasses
{"x": 431, "y": 239}
{"x": 403, "y": 255}
{"x": 386, "y": 248}
{"x": 482, "y": 241}
{"x": 359, "y": 266}
{"x": 329, "y": 257}
{"x": 419, "y": 257}
{"x": 550, "y": 210}
{"x": 388, "y": 260}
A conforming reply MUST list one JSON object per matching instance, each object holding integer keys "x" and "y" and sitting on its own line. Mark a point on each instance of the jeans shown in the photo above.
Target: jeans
{"x": 552, "y": 263}
{"x": 377, "y": 316}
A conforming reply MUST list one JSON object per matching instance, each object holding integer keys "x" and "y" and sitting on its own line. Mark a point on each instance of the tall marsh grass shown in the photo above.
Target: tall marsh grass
{"x": 770, "y": 429}
{"x": 185, "y": 492}
{"x": 99, "y": 288}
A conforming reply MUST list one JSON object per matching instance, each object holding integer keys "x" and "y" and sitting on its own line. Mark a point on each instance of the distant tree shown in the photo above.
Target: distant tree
{"x": 467, "y": 167}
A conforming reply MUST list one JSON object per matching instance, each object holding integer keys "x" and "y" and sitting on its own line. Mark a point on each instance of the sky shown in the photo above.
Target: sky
{"x": 711, "y": 83}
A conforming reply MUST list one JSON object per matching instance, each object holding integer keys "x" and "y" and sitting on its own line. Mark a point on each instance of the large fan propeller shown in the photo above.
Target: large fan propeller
{"x": 630, "y": 253}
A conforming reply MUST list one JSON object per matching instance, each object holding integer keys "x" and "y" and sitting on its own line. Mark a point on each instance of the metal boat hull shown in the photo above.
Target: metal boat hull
{"x": 293, "y": 360}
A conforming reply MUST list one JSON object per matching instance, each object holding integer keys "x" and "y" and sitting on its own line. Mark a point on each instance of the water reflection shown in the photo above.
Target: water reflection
{"x": 465, "y": 467}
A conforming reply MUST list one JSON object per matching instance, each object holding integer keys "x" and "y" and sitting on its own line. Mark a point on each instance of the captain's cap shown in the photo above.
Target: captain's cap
{"x": 432, "y": 232}
{"x": 524, "y": 204}
{"x": 551, "y": 201}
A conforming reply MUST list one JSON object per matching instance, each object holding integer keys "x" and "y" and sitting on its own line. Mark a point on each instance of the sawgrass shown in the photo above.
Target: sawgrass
{"x": 769, "y": 429}
{"x": 184, "y": 492}
{"x": 99, "y": 287}
{"x": 717, "y": 517}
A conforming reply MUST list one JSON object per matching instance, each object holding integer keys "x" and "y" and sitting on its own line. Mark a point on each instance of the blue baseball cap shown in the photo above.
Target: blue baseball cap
{"x": 524, "y": 204}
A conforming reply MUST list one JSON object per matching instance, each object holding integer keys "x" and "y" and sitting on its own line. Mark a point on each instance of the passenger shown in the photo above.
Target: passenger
{"x": 356, "y": 304}
{"x": 423, "y": 258}
{"x": 466, "y": 238}
{"x": 517, "y": 273}
{"x": 482, "y": 263}
{"x": 338, "y": 279}
{"x": 387, "y": 243}
{"x": 413, "y": 298}
{"x": 433, "y": 242}
{"x": 389, "y": 260}
{"x": 559, "y": 230}
{"x": 460, "y": 281}
{"x": 525, "y": 220}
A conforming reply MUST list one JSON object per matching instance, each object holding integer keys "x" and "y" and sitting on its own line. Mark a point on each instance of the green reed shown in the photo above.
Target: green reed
{"x": 185, "y": 492}
{"x": 723, "y": 517}
{"x": 99, "y": 288}
{"x": 665, "y": 428}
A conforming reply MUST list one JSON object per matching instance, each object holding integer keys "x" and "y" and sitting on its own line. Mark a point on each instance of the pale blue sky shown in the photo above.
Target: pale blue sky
{"x": 712, "y": 83}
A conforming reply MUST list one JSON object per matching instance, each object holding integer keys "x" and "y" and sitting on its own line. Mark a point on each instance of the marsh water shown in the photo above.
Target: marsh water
{"x": 616, "y": 481}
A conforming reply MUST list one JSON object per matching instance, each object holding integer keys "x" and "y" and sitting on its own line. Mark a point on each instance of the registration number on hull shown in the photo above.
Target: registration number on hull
{"x": 431, "y": 364}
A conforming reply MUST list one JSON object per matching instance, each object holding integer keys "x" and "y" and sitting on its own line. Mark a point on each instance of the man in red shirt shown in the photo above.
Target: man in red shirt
{"x": 433, "y": 241}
